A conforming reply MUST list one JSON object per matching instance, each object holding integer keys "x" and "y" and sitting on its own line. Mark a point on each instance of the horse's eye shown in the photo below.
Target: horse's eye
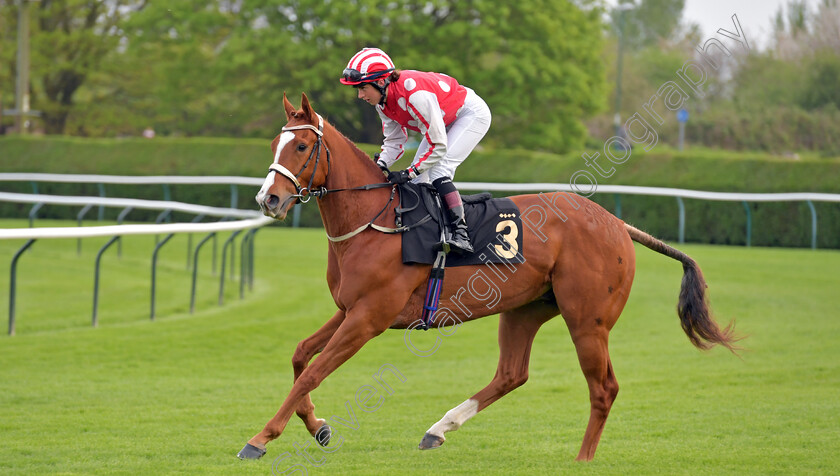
{"x": 302, "y": 147}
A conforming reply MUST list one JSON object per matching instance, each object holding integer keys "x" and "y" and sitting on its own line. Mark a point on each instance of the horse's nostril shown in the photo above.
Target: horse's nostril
{"x": 272, "y": 201}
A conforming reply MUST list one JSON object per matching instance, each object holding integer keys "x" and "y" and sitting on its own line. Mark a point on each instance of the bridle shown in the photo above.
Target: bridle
{"x": 304, "y": 194}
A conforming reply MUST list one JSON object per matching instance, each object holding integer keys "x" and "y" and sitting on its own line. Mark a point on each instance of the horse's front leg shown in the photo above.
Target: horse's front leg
{"x": 365, "y": 320}
{"x": 307, "y": 349}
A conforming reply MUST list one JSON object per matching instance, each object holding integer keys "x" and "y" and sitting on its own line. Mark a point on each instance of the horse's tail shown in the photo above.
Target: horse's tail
{"x": 693, "y": 308}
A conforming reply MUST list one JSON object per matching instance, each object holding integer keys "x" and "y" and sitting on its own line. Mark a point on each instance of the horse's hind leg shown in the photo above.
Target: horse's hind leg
{"x": 517, "y": 329}
{"x": 307, "y": 349}
{"x": 589, "y": 320}
{"x": 591, "y": 287}
{"x": 591, "y": 346}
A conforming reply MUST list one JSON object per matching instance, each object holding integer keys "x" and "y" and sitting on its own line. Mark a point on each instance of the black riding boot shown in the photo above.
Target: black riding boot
{"x": 458, "y": 237}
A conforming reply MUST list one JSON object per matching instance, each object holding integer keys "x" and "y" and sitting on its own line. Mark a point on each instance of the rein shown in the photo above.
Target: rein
{"x": 304, "y": 194}
{"x": 399, "y": 229}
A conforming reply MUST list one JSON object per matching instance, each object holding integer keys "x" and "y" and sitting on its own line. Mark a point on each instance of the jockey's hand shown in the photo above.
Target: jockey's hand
{"x": 402, "y": 176}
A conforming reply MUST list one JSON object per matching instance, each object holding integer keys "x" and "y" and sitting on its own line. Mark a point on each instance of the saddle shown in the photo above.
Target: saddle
{"x": 495, "y": 227}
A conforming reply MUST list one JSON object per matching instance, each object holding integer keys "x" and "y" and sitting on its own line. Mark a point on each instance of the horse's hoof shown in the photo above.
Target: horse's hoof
{"x": 251, "y": 452}
{"x": 430, "y": 442}
{"x": 323, "y": 435}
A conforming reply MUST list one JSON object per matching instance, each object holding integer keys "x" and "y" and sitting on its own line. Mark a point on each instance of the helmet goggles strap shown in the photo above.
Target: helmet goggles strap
{"x": 356, "y": 76}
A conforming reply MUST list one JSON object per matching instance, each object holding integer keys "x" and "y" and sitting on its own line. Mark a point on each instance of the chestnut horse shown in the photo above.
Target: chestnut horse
{"x": 579, "y": 263}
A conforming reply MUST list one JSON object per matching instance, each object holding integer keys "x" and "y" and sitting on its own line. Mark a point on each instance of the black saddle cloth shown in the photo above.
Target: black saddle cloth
{"x": 494, "y": 225}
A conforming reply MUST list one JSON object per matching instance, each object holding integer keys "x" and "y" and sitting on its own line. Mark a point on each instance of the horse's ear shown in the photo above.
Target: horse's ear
{"x": 290, "y": 110}
{"x": 308, "y": 112}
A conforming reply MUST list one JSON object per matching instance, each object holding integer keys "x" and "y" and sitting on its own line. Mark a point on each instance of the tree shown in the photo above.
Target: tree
{"x": 786, "y": 97}
{"x": 537, "y": 64}
{"x": 69, "y": 40}
{"x": 649, "y": 22}
{"x": 8, "y": 28}
{"x": 822, "y": 79}
{"x": 654, "y": 45}
{"x": 807, "y": 46}
{"x": 220, "y": 67}
{"x": 535, "y": 61}
{"x": 166, "y": 74}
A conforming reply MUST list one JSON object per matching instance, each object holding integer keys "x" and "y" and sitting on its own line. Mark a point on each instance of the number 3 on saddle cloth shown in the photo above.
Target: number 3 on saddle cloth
{"x": 494, "y": 226}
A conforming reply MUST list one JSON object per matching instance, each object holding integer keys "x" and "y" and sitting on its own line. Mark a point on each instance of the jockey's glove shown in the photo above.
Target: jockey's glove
{"x": 402, "y": 176}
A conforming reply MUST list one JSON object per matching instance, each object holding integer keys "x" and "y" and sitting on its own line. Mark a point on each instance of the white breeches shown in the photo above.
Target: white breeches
{"x": 462, "y": 135}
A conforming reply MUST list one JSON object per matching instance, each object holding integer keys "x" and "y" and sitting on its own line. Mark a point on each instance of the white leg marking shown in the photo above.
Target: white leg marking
{"x": 455, "y": 418}
{"x": 285, "y": 138}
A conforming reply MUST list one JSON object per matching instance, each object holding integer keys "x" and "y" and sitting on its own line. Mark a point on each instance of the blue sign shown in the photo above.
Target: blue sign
{"x": 682, "y": 115}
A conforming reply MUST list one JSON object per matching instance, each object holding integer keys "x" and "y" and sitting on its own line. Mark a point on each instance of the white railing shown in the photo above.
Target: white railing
{"x": 677, "y": 193}
{"x": 249, "y": 219}
{"x": 656, "y": 191}
{"x": 474, "y": 186}
{"x": 122, "y": 230}
{"x": 131, "y": 179}
{"x": 252, "y": 219}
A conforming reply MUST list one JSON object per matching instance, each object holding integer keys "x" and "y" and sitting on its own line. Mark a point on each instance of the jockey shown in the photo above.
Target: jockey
{"x": 451, "y": 118}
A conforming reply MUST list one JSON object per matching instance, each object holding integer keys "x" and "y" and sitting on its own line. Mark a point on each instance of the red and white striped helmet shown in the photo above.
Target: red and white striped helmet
{"x": 367, "y": 66}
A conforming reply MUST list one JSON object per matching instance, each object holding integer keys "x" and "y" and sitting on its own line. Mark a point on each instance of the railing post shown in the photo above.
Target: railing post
{"x": 101, "y": 207}
{"x": 215, "y": 247}
{"x": 813, "y": 224}
{"x": 120, "y": 219}
{"x": 215, "y": 252}
{"x": 253, "y": 234}
{"x": 749, "y": 222}
{"x": 228, "y": 243}
{"x": 195, "y": 269}
{"x": 682, "y": 219}
{"x": 79, "y": 218}
{"x": 233, "y": 260}
{"x": 13, "y": 285}
{"x": 35, "y": 207}
{"x": 33, "y": 212}
{"x": 154, "y": 272}
{"x": 197, "y": 219}
{"x": 95, "y": 319}
{"x": 296, "y": 216}
{"x": 234, "y": 196}
{"x": 243, "y": 263}
{"x": 617, "y": 205}
{"x": 163, "y": 215}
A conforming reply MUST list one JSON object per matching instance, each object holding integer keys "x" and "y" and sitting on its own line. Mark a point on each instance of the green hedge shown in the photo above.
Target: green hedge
{"x": 773, "y": 224}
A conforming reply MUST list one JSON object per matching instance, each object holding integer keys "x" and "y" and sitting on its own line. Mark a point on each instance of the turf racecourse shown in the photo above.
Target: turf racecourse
{"x": 183, "y": 394}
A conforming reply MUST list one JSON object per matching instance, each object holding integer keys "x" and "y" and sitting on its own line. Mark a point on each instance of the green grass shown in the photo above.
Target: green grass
{"x": 181, "y": 395}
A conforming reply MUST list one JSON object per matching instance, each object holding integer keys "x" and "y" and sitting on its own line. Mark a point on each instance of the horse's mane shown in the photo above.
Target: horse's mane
{"x": 302, "y": 114}
{"x": 359, "y": 152}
